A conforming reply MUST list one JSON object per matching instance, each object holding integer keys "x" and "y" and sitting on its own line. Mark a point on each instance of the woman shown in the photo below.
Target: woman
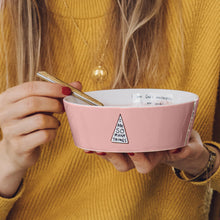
{"x": 156, "y": 44}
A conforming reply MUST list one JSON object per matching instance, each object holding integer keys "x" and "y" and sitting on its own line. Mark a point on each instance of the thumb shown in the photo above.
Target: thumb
{"x": 76, "y": 85}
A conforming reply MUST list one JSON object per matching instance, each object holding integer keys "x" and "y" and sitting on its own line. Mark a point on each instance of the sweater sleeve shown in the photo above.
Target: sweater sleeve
{"x": 6, "y": 204}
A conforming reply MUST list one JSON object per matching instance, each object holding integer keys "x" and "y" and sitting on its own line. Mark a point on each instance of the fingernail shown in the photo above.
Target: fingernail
{"x": 131, "y": 154}
{"x": 89, "y": 152}
{"x": 101, "y": 153}
{"x": 176, "y": 151}
{"x": 66, "y": 91}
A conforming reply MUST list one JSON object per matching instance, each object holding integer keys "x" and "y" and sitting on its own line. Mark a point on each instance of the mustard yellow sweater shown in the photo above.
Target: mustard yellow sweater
{"x": 66, "y": 183}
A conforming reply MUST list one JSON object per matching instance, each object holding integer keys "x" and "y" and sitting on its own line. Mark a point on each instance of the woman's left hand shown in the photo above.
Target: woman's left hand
{"x": 192, "y": 158}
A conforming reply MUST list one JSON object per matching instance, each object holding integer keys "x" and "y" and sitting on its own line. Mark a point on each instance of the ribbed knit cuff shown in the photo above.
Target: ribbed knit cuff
{"x": 215, "y": 178}
{"x": 6, "y": 204}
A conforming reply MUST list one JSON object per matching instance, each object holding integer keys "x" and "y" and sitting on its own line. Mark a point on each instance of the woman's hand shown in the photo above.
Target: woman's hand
{"x": 26, "y": 121}
{"x": 192, "y": 158}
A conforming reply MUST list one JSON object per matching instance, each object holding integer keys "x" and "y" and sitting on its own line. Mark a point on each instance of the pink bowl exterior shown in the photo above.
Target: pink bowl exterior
{"x": 147, "y": 128}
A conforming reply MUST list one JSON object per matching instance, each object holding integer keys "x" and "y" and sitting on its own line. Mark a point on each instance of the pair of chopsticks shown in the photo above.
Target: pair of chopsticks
{"x": 75, "y": 92}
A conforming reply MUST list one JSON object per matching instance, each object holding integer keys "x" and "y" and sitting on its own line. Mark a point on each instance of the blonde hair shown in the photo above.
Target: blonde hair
{"x": 141, "y": 41}
{"x": 138, "y": 24}
{"x": 25, "y": 18}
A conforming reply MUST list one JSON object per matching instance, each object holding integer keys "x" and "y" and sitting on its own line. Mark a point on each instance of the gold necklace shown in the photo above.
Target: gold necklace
{"x": 99, "y": 72}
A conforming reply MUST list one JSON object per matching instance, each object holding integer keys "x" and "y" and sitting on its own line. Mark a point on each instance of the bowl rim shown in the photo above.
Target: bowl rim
{"x": 196, "y": 99}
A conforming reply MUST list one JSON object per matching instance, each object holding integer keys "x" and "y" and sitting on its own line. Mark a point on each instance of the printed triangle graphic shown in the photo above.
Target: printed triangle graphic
{"x": 119, "y": 135}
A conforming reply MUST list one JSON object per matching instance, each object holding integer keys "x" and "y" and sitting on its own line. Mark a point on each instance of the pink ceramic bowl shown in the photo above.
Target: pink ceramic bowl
{"x": 132, "y": 120}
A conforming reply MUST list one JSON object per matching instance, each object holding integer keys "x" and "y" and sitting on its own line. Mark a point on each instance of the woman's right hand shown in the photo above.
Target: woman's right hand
{"x": 26, "y": 121}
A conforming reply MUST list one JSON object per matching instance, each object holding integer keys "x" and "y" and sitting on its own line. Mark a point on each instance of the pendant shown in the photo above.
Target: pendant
{"x": 99, "y": 73}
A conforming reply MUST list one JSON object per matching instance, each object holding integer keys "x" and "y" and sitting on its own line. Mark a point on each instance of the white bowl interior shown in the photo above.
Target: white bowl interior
{"x": 138, "y": 97}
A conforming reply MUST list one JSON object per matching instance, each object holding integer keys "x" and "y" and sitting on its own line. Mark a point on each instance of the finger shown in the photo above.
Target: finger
{"x": 30, "y": 124}
{"x": 178, "y": 159}
{"x": 29, "y": 106}
{"x": 27, "y": 143}
{"x": 195, "y": 138}
{"x": 195, "y": 142}
{"x": 36, "y": 88}
{"x": 88, "y": 151}
{"x": 120, "y": 161}
{"x": 145, "y": 162}
{"x": 176, "y": 151}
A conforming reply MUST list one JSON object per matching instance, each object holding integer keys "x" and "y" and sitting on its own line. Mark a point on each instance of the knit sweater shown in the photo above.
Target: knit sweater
{"x": 66, "y": 183}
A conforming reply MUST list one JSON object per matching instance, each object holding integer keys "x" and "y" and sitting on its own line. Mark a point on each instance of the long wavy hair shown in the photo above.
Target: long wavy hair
{"x": 140, "y": 47}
